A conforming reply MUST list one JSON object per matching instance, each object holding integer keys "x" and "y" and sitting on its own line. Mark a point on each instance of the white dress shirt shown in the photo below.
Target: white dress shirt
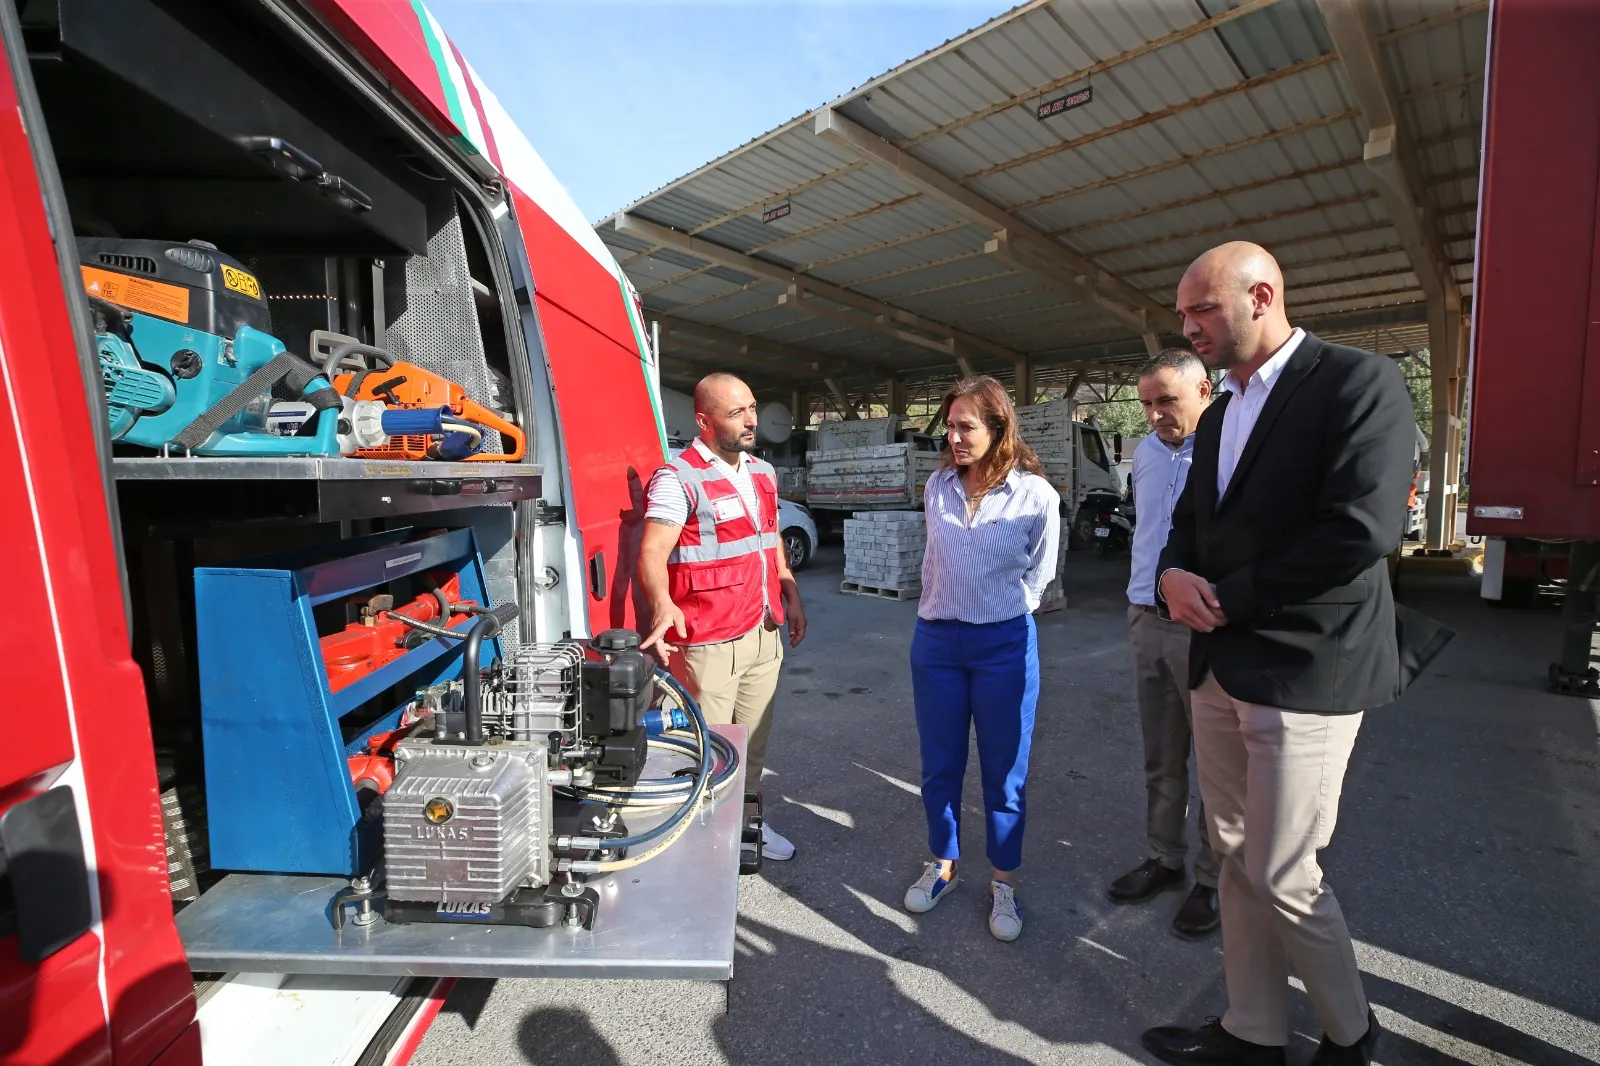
{"x": 1239, "y": 417}
{"x": 1160, "y": 470}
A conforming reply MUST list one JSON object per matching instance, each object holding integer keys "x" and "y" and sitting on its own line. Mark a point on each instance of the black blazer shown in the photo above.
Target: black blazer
{"x": 1297, "y": 546}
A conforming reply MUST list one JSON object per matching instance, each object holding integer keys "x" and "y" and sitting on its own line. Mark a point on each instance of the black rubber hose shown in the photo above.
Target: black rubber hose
{"x": 471, "y": 681}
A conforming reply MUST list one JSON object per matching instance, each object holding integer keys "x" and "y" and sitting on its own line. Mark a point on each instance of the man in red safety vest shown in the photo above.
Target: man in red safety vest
{"x": 713, "y": 566}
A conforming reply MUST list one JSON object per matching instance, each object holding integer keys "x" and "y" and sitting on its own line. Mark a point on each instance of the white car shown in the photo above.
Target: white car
{"x": 794, "y": 522}
{"x": 799, "y": 532}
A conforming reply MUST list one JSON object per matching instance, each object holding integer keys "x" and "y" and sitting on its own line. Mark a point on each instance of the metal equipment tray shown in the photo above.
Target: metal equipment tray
{"x": 326, "y": 489}
{"x": 671, "y": 917}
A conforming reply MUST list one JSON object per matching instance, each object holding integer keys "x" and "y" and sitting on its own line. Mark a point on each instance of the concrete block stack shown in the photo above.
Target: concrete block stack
{"x": 883, "y": 554}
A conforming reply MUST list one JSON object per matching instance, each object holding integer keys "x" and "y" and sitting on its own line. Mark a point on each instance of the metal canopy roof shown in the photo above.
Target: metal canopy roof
{"x": 930, "y": 222}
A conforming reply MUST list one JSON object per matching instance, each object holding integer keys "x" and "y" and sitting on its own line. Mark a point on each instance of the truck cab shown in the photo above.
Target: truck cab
{"x": 1096, "y": 485}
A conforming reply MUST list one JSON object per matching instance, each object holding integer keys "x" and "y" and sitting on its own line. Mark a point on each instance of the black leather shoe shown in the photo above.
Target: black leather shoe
{"x": 1199, "y": 917}
{"x": 1144, "y": 882}
{"x": 1209, "y": 1045}
{"x": 1357, "y": 1054}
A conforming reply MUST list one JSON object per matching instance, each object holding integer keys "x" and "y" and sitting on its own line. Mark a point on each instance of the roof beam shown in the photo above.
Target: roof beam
{"x": 801, "y": 297}
{"x": 1015, "y": 240}
{"x": 1194, "y": 29}
{"x": 802, "y": 360}
{"x": 1388, "y": 152}
{"x": 644, "y": 229}
{"x": 1437, "y": 20}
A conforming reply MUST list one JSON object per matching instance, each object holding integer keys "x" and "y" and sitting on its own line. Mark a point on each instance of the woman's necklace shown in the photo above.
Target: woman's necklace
{"x": 973, "y": 501}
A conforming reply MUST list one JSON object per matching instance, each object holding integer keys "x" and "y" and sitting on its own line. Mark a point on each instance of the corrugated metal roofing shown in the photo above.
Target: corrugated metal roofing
{"x": 1208, "y": 121}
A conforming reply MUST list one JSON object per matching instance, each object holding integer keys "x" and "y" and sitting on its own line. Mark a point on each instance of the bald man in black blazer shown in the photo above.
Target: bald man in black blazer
{"x": 1277, "y": 563}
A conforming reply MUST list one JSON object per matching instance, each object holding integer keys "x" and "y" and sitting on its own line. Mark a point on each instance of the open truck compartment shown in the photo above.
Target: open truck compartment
{"x": 305, "y": 552}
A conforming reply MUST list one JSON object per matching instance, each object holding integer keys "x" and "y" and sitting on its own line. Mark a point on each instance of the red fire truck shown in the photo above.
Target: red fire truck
{"x": 327, "y": 172}
{"x": 1536, "y": 321}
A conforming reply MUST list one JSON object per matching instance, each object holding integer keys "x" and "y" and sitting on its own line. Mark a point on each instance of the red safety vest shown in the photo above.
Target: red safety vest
{"x": 723, "y": 575}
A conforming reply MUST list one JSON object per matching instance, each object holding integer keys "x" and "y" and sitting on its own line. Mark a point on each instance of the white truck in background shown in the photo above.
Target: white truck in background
{"x": 874, "y": 464}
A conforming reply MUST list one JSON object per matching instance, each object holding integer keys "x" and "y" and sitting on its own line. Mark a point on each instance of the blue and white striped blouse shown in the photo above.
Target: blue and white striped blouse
{"x": 998, "y": 568}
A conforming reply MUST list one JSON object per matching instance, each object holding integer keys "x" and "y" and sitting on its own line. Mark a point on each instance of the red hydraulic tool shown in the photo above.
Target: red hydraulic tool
{"x": 381, "y": 637}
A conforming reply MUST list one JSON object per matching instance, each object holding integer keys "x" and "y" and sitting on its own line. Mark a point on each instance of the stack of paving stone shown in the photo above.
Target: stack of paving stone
{"x": 883, "y": 554}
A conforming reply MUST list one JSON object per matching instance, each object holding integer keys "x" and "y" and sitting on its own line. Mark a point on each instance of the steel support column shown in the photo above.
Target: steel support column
{"x": 1022, "y": 386}
{"x": 897, "y": 397}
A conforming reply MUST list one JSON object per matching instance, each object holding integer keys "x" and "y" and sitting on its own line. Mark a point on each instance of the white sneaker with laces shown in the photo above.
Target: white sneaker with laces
{"x": 1005, "y": 914}
{"x": 774, "y": 845}
{"x": 929, "y": 889}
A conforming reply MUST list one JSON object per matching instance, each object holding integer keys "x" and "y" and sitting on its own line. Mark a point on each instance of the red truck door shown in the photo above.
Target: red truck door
{"x": 91, "y": 970}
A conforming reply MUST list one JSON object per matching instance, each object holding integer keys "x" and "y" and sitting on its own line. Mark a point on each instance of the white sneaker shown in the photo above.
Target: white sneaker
{"x": 1005, "y": 914}
{"x": 929, "y": 889}
{"x": 773, "y": 844}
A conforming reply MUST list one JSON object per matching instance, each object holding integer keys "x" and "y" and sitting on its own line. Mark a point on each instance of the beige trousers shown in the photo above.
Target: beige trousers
{"x": 736, "y": 682}
{"x": 1271, "y": 781}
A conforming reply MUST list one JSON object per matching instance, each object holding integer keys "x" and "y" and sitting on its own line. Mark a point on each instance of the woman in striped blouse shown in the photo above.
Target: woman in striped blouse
{"x": 993, "y": 527}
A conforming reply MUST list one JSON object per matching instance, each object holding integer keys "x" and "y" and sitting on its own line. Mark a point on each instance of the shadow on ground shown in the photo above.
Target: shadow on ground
{"x": 1467, "y": 860}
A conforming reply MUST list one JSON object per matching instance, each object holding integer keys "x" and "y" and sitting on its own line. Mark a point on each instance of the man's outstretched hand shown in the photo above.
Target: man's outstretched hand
{"x": 667, "y": 616}
{"x": 1192, "y": 600}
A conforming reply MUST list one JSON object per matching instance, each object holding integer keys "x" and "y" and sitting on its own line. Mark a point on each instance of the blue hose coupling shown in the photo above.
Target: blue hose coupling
{"x": 664, "y": 721}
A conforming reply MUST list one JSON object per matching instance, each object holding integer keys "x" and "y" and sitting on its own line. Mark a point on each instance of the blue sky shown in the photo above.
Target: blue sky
{"x": 622, "y": 96}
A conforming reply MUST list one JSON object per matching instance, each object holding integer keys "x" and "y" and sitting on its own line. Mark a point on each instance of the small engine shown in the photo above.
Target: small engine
{"x": 471, "y": 822}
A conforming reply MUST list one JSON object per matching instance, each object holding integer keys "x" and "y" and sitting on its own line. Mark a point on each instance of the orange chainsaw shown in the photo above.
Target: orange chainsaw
{"x": 402, "y": 386}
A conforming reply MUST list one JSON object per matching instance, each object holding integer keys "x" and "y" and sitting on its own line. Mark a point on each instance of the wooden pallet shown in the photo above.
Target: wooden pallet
{"x": 856, "y": 588}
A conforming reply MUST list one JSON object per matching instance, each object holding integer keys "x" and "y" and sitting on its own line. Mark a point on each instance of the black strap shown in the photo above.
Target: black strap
{"x": 290, "y": 369}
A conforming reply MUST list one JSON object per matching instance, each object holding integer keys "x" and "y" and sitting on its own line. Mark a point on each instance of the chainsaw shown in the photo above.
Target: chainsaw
{"x": 424, "y": 415}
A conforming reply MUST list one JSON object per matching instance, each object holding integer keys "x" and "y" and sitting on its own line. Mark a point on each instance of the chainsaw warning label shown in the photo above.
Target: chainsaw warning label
{"x": 239, "y": 281}
{"x": 138, "y": 294}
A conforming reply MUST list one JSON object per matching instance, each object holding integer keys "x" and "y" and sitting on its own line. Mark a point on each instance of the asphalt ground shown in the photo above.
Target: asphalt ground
{"x": 1467, "y": 860}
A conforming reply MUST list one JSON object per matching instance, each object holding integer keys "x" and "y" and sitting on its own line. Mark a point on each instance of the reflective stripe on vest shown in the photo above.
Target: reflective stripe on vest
{"x": 728, "y": 549}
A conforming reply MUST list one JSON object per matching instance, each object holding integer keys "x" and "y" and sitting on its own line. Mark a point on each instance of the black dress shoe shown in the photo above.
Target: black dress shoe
{"x": 1199, "y": 916}
{"x": 1209, "y": 1045}
{"x": 1144, "y": 882}
{"x": 1357, "y": 1054}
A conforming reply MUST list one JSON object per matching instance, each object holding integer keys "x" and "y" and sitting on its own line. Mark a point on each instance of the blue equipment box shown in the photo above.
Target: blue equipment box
{"x": 278, "y": 793}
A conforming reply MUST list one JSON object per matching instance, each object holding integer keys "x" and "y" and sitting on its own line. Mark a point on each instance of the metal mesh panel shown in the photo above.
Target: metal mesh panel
{"x": 495, "y": 529}
{"x": 434, "y": 323}
{"x": 434, "y": 319}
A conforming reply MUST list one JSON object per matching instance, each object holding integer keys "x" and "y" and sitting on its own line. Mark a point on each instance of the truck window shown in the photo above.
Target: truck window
{"x": 1094, "y": 448}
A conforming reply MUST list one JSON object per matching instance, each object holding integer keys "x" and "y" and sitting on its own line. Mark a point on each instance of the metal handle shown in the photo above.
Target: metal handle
{"x": 283, "y": 156}
{"x": 341, "y": 192}
{"x": 597, "y": 575}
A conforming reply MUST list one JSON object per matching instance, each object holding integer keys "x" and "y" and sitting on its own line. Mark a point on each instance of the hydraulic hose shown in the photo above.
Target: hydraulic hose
{"x": 667, "y": 791}
{"x": 675, "y": 826}
{"x": 487, "y": 625}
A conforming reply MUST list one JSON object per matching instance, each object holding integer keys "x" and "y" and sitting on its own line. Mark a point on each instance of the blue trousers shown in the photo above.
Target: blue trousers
{"x": 967, "y": 675}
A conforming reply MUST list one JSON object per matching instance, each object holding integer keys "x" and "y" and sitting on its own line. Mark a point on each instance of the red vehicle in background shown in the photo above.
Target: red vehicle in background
{"x": 1536, "y": 321}
{"x": 338, "y": 149}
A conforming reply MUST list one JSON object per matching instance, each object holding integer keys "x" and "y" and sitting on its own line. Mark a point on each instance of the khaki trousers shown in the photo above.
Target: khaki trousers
{"x": 736, "y": 682}
{"x": 1271, "y": 781}
{"x": 1161, "y": 679}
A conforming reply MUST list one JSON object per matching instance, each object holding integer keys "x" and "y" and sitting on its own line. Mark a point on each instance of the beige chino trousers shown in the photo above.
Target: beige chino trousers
{"x": 1271, "y": 781}
{"x": 736, "y": 682}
